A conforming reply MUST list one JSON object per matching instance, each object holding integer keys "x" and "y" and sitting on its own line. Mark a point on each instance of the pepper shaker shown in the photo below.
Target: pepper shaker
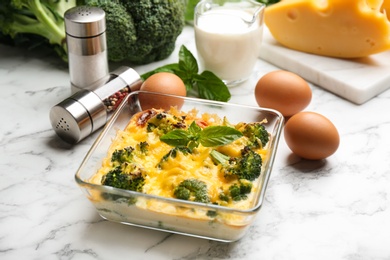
{"x": 86, "y": 111}
{"x": 87, "y": 47}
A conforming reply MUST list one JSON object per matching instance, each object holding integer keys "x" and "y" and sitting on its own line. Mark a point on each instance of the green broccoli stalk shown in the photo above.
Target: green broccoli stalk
{"x": 43, "y": 18}
{"x": 141, "y": 31}
{"x": 247, "y": 166}
{"x": 192, "y": 190}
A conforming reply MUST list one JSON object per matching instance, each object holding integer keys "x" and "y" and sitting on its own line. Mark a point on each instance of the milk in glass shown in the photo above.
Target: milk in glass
{"x": 228, "y": 42}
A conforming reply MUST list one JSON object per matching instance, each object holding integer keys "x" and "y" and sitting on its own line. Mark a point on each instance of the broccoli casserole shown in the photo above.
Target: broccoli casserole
{"x": 183, "y": 155}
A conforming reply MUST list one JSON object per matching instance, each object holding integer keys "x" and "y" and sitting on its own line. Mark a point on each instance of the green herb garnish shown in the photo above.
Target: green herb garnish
{"x": 210, "y": 136}
{"x": 207, "y": 84}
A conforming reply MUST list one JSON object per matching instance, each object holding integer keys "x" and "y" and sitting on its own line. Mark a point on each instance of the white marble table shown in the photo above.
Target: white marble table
{"x": 338, "y": 208}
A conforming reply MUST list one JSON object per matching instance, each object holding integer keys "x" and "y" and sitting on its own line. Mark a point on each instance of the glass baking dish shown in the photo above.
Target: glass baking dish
{"x": 167, "y": 214}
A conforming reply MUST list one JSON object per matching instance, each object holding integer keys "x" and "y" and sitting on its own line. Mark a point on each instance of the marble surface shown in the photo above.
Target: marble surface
{"x": 338, "y": 208}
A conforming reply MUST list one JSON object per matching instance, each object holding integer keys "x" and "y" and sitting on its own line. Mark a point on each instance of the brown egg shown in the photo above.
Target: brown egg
{"x": 166, "y": 83}
{"x": 283, "y": 91}
{"x": 311, "y": 136}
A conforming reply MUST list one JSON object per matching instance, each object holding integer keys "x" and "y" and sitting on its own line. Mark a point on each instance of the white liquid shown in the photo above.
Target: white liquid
{"x": 227, "y": 45}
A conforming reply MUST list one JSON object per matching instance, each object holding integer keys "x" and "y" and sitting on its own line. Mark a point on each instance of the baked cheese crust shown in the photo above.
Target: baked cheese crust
{"x": 161, "y": 176}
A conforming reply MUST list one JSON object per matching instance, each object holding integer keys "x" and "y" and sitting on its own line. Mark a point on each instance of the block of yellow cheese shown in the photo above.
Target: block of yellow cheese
{"x": 336, "y": 28}
{"x": 386, "y": 8}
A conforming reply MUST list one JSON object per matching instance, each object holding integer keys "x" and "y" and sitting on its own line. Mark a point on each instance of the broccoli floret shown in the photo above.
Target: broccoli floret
{"x": 256, "y": 133}
{"x": 193, "y": 190}
{"x": 127, "y": 174}
{"x": 247, "y": 166}
{"x": 123, "y": 155}
{"x": 36, "y": 21}
{"x": 224, "y": 197}
{"x": 141, "y": 31}
{"x": 118, "y": 179}
{"x": 239, "y": 191}
{"x": 173, "y": 153}
{"x": 143, "y": 147}
{"x": 163, "y": 122}
{"x": 127, "y": 154}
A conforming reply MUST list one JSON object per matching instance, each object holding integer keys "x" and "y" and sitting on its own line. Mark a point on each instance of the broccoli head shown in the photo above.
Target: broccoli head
{"x": 173, "y": 153}
{"x": 239, "y": 191}
{"x": 193, "y": 190}
{"x": 127, "y": 154}
{"x": 127, "y": 173}
{"x": 141, "y": 31}
{"x": 247, "y": 166}
{"x": 122, "y": 155}
{"x": 143, "y": 147}
{"x": 256, "y": 133}
{"x": 118, "y": 179}
{"x": 163, "y": 122}
{"x": 32, "y": 23}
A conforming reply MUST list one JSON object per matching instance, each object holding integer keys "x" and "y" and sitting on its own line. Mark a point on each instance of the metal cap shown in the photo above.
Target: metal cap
{"x": 78, "y": 116}
{"x": 120, "y": 78}
{"x": 85, "y": 21}
{"x": 130, "y": 77}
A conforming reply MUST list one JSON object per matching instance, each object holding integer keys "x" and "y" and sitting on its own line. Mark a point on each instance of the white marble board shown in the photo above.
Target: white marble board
{"x": 357, "y": 80}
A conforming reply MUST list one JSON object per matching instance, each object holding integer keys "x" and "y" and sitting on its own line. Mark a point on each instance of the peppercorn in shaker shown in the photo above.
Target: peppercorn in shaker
{"x": 86, "y": 111}
{"x": 87, "y": 47}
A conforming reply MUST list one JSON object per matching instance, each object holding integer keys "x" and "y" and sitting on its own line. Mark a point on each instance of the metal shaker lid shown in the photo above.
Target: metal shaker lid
{"x": 130, "y": 77}
{"x": 85, "y": 21}
{"x": 78, "y": 116}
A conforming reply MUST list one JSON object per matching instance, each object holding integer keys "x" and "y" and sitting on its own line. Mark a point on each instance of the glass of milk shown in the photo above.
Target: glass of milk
{"x": 228, "y": 36}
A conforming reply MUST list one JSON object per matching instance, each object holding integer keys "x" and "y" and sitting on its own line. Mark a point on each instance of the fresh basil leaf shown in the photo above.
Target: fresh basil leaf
{"x": 218, "y": 135}
{"x": 207, "y": 84}
{"x": 194, "y": 129}
{"x": 193, "y": 144}
{"x": 172, "y": 68}
{"x": 187, "y": 61}
{"x": 213, "y": 88}
{"x": 187, "y": 78}
{"x": 176, "y": 137}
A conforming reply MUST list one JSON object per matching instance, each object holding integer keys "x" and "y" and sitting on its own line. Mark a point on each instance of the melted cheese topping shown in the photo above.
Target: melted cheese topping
{"x": 161, "y": 181}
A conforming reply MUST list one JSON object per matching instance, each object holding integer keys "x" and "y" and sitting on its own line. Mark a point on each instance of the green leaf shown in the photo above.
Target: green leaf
{"x": 194, "y": 129}
{"x": 208, "y": 85}
{"x": 172, "y": 68}
{"x": 187, "y": 61}
{"x": 218, "y": 135}
{"x": 209, "y": 137}
{"x": 211, "y": 87}
{"x": 176, "y": 137}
